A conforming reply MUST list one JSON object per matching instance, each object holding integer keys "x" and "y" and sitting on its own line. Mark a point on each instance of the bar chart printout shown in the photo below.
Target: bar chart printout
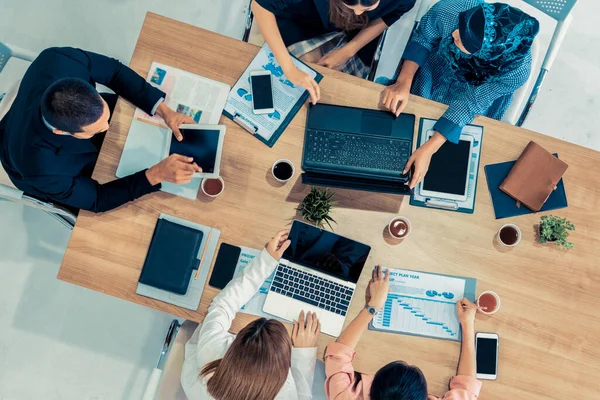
{"x": 423, "y": 304}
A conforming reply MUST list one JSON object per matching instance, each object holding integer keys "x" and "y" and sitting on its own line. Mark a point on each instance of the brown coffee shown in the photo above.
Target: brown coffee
{"x": 488, "y": 302}
{"x": 213, "y": 186}
{"x": 399, "y": 228}
{"x": 509, "y": 235}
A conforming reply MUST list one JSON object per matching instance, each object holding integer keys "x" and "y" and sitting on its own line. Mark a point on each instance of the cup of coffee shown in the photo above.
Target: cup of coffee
{"x": 509, "y": 235}
{"x": 399, "y": 227}
{"x": 489, "y": 302}
{"x": 212, "y": 187}
{"x": 283, "y": 170}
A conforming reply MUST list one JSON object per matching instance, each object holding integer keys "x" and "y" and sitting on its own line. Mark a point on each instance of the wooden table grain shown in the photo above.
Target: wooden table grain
{"x": 548, "y": 324}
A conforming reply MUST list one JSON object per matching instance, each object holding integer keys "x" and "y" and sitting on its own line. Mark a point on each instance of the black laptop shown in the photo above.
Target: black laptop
{"x": 355, "y": 148}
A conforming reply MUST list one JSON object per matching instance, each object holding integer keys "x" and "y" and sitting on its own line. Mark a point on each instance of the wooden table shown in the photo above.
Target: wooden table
{"x": 548, "y": 324}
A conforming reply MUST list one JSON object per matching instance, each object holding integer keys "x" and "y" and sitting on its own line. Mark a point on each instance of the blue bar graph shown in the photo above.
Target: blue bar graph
{"x": 416, "y": 315}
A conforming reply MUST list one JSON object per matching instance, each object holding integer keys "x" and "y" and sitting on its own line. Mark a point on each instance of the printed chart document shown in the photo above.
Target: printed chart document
{"x": 255, "y": 305}
{"x": 287, "y": 98}
{"x": 423, "y": 304}
{"x": 201, "y": 98}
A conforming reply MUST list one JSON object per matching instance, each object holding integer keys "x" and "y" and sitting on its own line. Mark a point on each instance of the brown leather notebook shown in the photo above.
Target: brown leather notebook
{"x": 533, "y": 177}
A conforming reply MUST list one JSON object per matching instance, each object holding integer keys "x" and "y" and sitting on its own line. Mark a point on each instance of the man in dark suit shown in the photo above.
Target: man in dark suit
{"x": 52, "y": 134}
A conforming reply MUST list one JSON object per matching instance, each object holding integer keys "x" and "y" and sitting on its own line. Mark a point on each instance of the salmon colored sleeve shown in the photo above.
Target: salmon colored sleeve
{"x": 463, "y": 387}
{"x": 338, "y": 370}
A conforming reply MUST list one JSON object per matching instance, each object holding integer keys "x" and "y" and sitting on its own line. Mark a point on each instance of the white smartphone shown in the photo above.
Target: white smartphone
{"x": 261, "y": 87}
{"x": 486, "y": 348}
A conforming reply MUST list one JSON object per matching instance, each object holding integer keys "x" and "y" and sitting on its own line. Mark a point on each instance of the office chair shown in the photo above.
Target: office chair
{"x": 251, "y": 35}
{"x": 165, "y": 381}
{"x": 560, "y": 10}
{"x": 7, "y": 189}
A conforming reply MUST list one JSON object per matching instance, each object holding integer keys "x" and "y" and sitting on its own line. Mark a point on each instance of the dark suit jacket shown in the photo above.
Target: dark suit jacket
{"x": 59, "y": 167}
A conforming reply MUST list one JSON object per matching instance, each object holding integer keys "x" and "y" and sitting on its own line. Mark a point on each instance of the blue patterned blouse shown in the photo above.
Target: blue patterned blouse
{"x": 436, "y": 80}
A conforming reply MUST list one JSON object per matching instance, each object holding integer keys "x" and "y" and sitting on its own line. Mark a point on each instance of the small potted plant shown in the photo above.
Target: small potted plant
{"x": 555, "y": 230}
{"x": 317, "y": 206}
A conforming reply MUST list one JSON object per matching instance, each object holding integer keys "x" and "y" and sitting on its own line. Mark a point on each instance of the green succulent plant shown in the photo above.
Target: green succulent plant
{"x": 556, "y": 229}
{"x": 317, "y": 206}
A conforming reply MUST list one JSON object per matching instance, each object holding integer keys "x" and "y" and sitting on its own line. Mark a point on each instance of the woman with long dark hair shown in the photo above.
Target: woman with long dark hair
{"x": 396, "y": 380}
{"x": 338, "y": 34}
{"x": 262, "y": 362}
{"x": 469, "y": 54}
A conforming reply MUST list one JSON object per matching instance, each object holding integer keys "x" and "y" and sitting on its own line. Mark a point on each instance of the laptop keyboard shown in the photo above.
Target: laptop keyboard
{"x": 350, "y": 150}
{"x": 311, "y": 289}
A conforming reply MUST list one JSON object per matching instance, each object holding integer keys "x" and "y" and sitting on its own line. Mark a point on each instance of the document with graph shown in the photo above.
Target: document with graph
{"x": 423, "y": 304}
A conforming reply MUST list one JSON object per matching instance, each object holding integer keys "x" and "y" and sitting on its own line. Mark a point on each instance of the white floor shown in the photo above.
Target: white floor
{"x": 58, "y": 341}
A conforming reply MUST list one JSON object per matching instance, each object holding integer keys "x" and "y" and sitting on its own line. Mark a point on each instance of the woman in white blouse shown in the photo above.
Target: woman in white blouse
{"x": 261, "y": 362}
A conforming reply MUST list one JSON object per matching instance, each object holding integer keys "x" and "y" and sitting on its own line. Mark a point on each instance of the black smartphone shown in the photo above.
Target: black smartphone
{"x": 224, "y": 268}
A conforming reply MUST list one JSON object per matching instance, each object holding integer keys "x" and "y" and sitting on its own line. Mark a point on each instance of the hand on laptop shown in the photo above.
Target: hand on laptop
{"x": 278, "y": 244}
{"x": 378, "y": 288}
{"x": 173, "y": 119}
{"x": 175, "y": 169}
{"x": 305, "y": 332}
{"x": 394, "y": 98}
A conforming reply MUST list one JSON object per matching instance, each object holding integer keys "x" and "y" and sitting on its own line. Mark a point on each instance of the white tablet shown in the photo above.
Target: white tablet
{"x": 448, "y": 174}
{"x": 202, "y": 142}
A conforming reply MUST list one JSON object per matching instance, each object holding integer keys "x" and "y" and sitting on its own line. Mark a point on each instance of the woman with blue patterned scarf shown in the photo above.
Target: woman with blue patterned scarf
{"x": 469, "y": 54}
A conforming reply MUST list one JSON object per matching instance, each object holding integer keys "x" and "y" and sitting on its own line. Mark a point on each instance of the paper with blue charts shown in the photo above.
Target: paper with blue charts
{"x": 285, "y": 94}
{"x": 423, "y": 304}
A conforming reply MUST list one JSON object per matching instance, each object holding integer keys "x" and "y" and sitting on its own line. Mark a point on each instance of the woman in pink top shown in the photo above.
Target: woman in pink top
{"x": 397, "y": 380}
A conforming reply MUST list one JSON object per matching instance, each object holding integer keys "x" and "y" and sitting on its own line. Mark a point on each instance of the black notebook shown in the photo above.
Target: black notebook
{"x": 172, "y": 257}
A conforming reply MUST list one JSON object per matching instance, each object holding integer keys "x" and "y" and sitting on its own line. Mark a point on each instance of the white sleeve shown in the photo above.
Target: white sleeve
{"x": 303, "y": 370}
{"x": 226, "y": 304}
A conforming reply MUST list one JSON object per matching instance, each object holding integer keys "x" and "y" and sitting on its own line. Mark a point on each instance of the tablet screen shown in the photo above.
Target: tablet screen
{"x": 449, "y": 168}
{"x": 201, "y": 144}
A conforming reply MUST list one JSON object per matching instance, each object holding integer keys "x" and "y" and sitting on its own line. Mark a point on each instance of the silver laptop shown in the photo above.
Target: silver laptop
{"x": 317, "y": 273}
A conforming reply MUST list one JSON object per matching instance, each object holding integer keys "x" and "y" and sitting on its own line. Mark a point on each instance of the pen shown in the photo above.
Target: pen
{"x": 203, "y": 253}
{"x": 151, "y": 122}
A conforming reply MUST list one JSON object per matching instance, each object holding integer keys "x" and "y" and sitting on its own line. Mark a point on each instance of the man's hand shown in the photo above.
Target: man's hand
{"x": 299, "y": 78}
{"x": 306, "y": 332}
{"x": 466, "y": 312}
{"x": 394, "y": 98}
{"x": 278, "y": 245}
{"x": 378, "y": 288}
{"x": 175, "y": 169}
{"x": 337, "y": 58}
{"x": 173, "y": 119}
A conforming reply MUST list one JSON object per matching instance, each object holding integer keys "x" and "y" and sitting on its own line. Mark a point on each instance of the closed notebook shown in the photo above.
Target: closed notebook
{"x": 533, "y": 177}
{"x": 172, "y": 257}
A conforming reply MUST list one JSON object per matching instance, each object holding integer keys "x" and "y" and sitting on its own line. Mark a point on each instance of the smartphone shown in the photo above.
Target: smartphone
{"x": 486, "y": 348}
{"x": 225, "y": 264}
{"x": 262, "y": 92}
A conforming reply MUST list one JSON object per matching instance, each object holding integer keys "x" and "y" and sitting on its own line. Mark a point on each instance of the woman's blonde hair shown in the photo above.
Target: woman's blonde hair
{"x": 256, "y": 365}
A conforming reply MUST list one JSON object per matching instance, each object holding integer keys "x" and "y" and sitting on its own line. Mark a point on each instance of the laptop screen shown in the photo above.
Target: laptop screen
{"x": 326, "y": 252}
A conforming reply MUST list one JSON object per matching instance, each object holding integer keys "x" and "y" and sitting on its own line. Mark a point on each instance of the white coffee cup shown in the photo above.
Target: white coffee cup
{"x": 212, "y": 195}
{"x": 283, "y": 161}
{"x": 518, "y": 235}
{"x": 497, "y": 302}
{"x": 403, "y": 219}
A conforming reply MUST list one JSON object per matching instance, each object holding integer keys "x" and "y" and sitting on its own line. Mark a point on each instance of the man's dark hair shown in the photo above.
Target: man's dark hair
{"x": 399, "y": 381}
{"x": 69, "y": 104}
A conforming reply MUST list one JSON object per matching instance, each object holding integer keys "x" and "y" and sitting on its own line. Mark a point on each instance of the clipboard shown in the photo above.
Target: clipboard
{"x": 239, "y": 110}
{"x": 468, "y": 206}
